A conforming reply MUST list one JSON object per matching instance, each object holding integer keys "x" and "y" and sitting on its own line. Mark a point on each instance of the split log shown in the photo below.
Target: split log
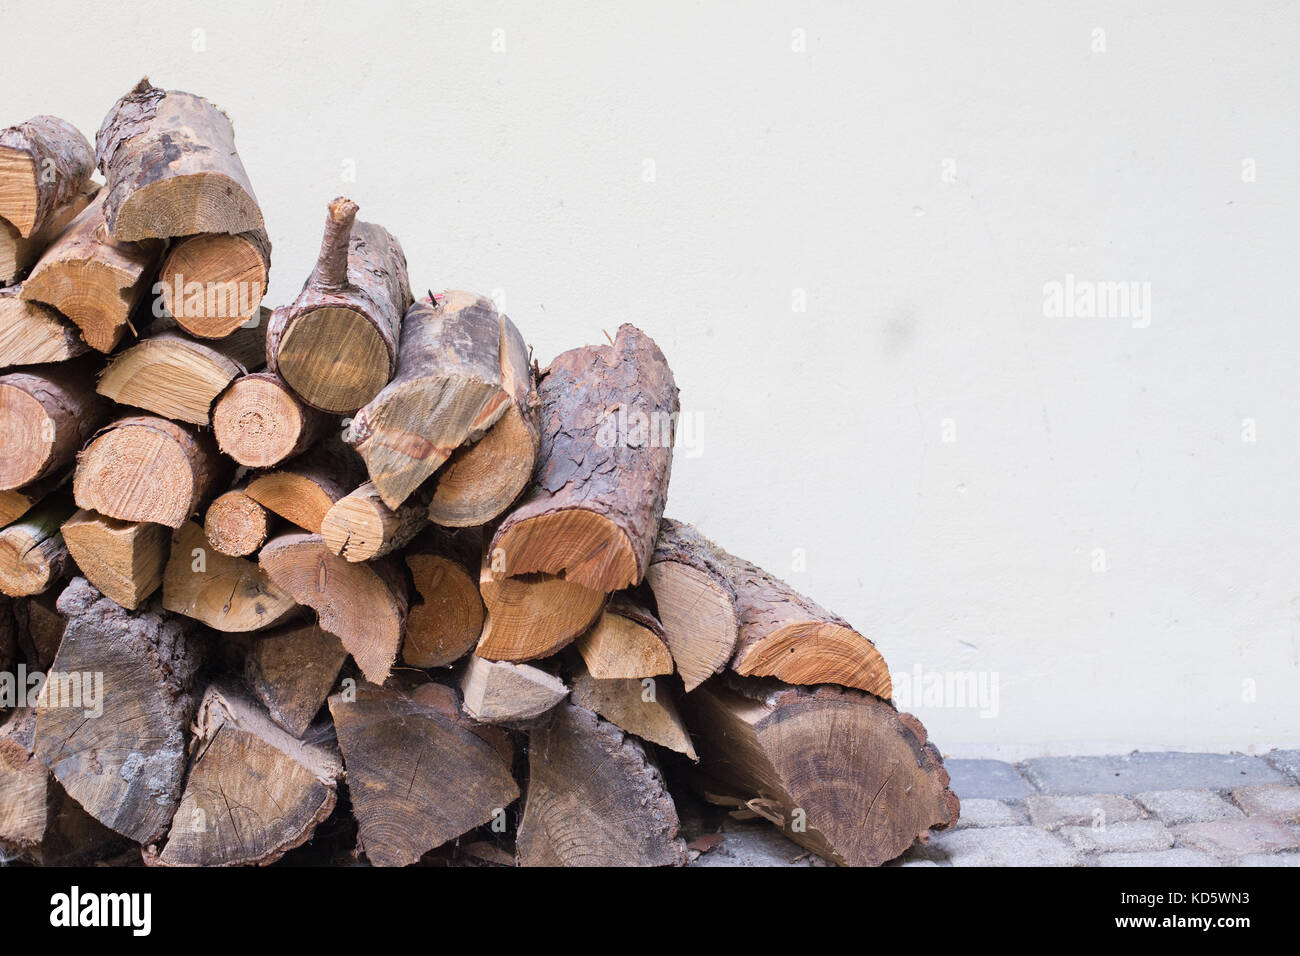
{"x": 171, "y": 168}
{"x": 19, "y": 254}
{"x": 304, "y": 491}
{"x": 626, "y": 641}
{"x": 259, "y": 422}
{"x": 359, "y": 526}
{"x": 44, "y": 164}
{"x": 236, "y": 525}
{"x": 254, "y": 792}
{"x": 228, "y": 594}
{"x": 93, "y": 279}
{"x": 40, "y": 629}
{"x": 336, "y": 344}
{"x": 532, "y": 616}
{"x": 499, "y": 692}
{"x": 592, "y": 512}
{"x": 595, "y": 798}
{"x": 33, "y": 555}
{"x": 144, "y": 468}
{"x": 178, "y": 377}
{"x": 417, "y": 777}
{"x": 125, "y": 768}
{"x": 291, "y": 671}
{"x": 33, "y": 334}
{"x": 123, "y": 559}
{"x": 460, "y": 365}
{"x": 364, "y": 605}
{"x": 696, "y": 603}
{"x": 14, "y": 504}
{"x": 213, "y": 284}
{"x": 46, "y": 414}
{"x": 447, "y": 620}
{"x": 642, "y": 707}
{"x": 842, "y": 773}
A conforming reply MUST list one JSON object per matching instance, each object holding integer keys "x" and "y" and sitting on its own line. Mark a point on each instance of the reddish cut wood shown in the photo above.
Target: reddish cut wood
{"x": 532, "y": 616}
{"x": 446, "y": 620}
{"x": 46, "y": 414}
{"x": 592, "y": 512}
{"x": 626, "y": 641}
{"x": 259, "y": 422}
{"x": 44, "y": 164}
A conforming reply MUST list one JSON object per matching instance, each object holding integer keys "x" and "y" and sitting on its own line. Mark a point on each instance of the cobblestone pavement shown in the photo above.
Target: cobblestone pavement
{"x": 1143, "y": 809}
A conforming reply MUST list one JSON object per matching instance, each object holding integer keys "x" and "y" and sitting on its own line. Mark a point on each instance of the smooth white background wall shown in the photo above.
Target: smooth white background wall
{"x": 916, "y": 173}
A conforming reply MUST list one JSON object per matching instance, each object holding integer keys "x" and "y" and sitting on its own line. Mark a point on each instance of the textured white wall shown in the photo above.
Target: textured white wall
{"x": 777, "y": 169}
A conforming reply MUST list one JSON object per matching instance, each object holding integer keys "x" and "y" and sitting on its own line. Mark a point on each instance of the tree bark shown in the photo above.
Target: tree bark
{"x": 291, "y": 671}
{"x": 123, "y": 559}
{"x": 626, "y": 641}
{"x": 259, "y": 422}
{"x": 33, "y": 334}
{"x": 46, "y": 414}
{"x": 45, "y": 163}
{"x": 228, "y": 594}
{"x": 40, "y": 629}
{"x": 213, "y": 284}
{"x": 447, "y": 620}
{"x": 499, "y": 692}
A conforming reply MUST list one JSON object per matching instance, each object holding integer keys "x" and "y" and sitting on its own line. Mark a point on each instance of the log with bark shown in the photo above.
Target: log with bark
{"x": 227, "y": 594}
{"x": 304, "y": 490}
{"x": 19, "y": 254}
{"x": 592, "y": 511}
{"x": 291, "y": 671}
{"x": 34, "y": 334}
{"x": 33, "y": 555}
{"x": 336, "y": 344}
{"x": 44, "y": 164}
{"x": 446, "y": 619}
{"x": 499, "y": 692}
{"x": 236, "y": 524}
{"x": 626, "y": 641}
{"x": 123, "y": 559}
{"x": 46, "y": 414}
{"x": 259, "y": 422}
{"x": 213, "y": 284}
{"x": 171, "y": 168}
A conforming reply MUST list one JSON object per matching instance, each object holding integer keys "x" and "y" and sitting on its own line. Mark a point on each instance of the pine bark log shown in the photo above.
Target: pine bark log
{"x": 123, "y": 559}
{"x": 45, "y": 163}
{"x": 47, "y": 413}
{"x": 259, "y": 422}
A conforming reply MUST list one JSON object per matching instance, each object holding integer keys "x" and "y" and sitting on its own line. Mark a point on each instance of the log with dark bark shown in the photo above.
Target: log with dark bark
{"x": 40, "y": 629}
{"x": 145, "y": 468}
{"x": 595, "y": 798}
{"x": 446, "y": 620}
{"x": 626, "y": 641}
{"x": 592, "y": 511}
{"x": 534, "y": 615}
{"x": 364, "y": 605}
{"x": 291, "y": 671}
{"x": 171, "y": 168}
{"x": 126, "y": 767}
{"x": 360, "y": 526}
{"x": 259, "y": 422}
{"x": 95, "y": 280}
{"x": 33, "y": 334}
{"x": 236, "y": 524}
{"x": 45, "y": 163}
{"x": 841, "y": 772}
{"x": 336, "y": 344}
{"x": 254, "y": 791}
{"x": 460, "y": 364}
{"x": 46, "y": 414}
{"x": 417, "y": 776}
{"x": 644, "y": 707}
{"x": 33, "y": 555}
{"x": 304, "y": 490}
{"x": 123, "y": 559}
{"x": 213, "y": 284}
{"x": 227, "y": 594}
{"x": 499, "y": 692}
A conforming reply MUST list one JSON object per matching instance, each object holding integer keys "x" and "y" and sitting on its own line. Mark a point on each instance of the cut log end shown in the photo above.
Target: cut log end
{"x": 499, "y": 692}
{"x": 123, "y": 559}
{"x": 335, "y": 359}
{"x": 817, "y": 652}
{"x": 26, "y": 427}
{"x": 587, "y": 548}
{"x": 534, "y": 615}
{"x": 236, "y": 525}
{"x": 259, "y": 422}
{"x": 228, "y": 594}
{"x": 448, "y": 620}
{"x": 698, "y": 614}
{"x": 212, "y": 284}
{"x": 625, "y": 642}
{"x": 480, "y": 482}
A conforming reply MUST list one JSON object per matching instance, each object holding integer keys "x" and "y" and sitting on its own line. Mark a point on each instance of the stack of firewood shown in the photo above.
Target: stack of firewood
{"x": 359, "y": 559}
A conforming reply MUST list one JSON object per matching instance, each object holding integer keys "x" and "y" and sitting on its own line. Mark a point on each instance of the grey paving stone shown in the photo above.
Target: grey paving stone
{"x": 1173, "y": 807}
{"x": 986, "y": 780}
{"x": 989, "y": 813}
{"x": 1287, "y": 761}
{"x": 1232, "y": 838}
{"x": 1274, "y": 802}
{"x": 1270, "y": 859}
{"x": 1173, "y": 857}
{"x": 1004, "y": 846}
{"x": 756, "y": 844}
{"x": 1054, "y": 812}
{"x": 1141, "y": 772}
{"x": 1130, "y": 837}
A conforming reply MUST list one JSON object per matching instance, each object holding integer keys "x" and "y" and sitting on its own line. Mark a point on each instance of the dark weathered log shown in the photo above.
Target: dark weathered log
{"x": 171, "y": 168}
{"x": 259, "y": 422}
{"x": 213, "y": 284}
{"x": 19, "y": 254}
{"x": 499, "y": 692}
{"x": 236, "y": 524}
{"x": 291, "y": 671}
{"x": 592, "y": 512}
{"x": 45, "y": 163}
{"x": 123, "y": 559}
{"x": 626, "y": 641}
{"x": 33, "y": 334}
{"x": 40, "y": 629}
{"x": 33, "y": 555}
{"x": 595, "y": 798}
{"x": 126, "y": 767}
{"x": 644, "y": 707}
{"x": 228, "y": 594}
{"x": 304, "y": 490}
{"x": 447, "y": 619}
{"x": 360, "y": 526}
{"x": 841, "y": 772}
{"x": 46, "y": 414}
{"x": 336, "y": 344}
{"x": 417, "y": 777}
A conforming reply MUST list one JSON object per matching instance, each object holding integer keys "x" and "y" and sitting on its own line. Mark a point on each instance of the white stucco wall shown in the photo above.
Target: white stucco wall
{"x": 916, "y": 173}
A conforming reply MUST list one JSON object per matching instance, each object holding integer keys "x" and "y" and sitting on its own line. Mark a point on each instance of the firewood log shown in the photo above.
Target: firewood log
{"x": 592, "y": 511}
{"x": 227, "y": 594}
{"x": 364, "y": 605}
{"x": 499, "y": 692}
{"x": 336, "y": 344}
{"x": 259, "y": 422}
{"x": 595, "y": 798}
{"x": 236, "y": 524}
{"x": 125, "y": 768}
{"x": 145, "y": 468}
{"x": 291, "y": 671}
{"x": 33, "y": 555}
{"x": 19, "y": 254}
{"x": 417, "y": 777}
{"x": 40, "y": 629}
{"x": 178, "y": 377}
{"x": 642, "y": 707}
{"x": 254, "y": 792}
{"x": 123, "y": 559}
{"x": 44, "y": 164}
{"x": 447, "y": 620}
{"x": 460, "y": 364}
{"x": 304, "y": 490}
{"x": 171, "y": 168}
{"x": 46, "y": 414}
{"x": 93, "y": 279}
{"x": 14, "y": 504}
{"x": 841, "y": 772}
{"x": 532, "y": 616}
{"x": 9, "y": 648}
{"x": 33, "y": 334}
{"x": 213, "y": 284}
{"x": 359, "y": 526}
{"x": 626, "y": 641}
